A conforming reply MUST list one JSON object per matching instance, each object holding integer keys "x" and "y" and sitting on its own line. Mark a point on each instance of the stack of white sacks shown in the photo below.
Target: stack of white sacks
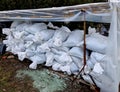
{"x": 57, "y": 47}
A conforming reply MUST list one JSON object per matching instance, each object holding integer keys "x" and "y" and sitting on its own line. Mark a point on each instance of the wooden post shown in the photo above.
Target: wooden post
{"x": 84, "y": 48}
{"x": 84, "y": 44}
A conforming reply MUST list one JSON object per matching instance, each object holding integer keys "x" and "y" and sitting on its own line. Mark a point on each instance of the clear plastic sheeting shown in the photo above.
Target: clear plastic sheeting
{"x": 96, "y": 12}
{"x": 112, "y": 65}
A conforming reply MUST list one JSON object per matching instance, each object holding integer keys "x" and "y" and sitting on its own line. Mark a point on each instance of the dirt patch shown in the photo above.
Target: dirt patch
{"x": 8, "y": 81}
{"x": 9, "y": 65}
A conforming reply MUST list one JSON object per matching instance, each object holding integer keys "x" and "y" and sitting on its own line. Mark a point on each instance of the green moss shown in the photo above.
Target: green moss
{"x": 44, "y": 80}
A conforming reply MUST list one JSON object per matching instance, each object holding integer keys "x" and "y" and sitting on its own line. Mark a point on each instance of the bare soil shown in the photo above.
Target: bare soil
{"x": 9, "y": 64}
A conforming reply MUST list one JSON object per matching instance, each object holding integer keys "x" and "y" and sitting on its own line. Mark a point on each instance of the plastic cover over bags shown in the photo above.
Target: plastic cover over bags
{"x": 95, "y": 12}
{"x": 112, "y": 65}
{"x": 109, "y": 80}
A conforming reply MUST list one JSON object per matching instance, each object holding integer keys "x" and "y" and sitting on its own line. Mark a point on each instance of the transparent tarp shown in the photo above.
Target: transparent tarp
{"x": 112, "y": 65}
{"x": 97, "y": 12}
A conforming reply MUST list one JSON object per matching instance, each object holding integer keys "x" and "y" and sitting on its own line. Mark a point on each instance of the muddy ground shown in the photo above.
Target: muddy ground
{"x": 9, "y": 65}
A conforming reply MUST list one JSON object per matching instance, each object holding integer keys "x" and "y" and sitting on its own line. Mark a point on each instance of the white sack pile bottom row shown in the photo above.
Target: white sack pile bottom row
{"x": 59, "y": 48}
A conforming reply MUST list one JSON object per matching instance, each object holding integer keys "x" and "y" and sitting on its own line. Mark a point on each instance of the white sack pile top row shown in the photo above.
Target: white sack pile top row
{"x": 57, "y": 47}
